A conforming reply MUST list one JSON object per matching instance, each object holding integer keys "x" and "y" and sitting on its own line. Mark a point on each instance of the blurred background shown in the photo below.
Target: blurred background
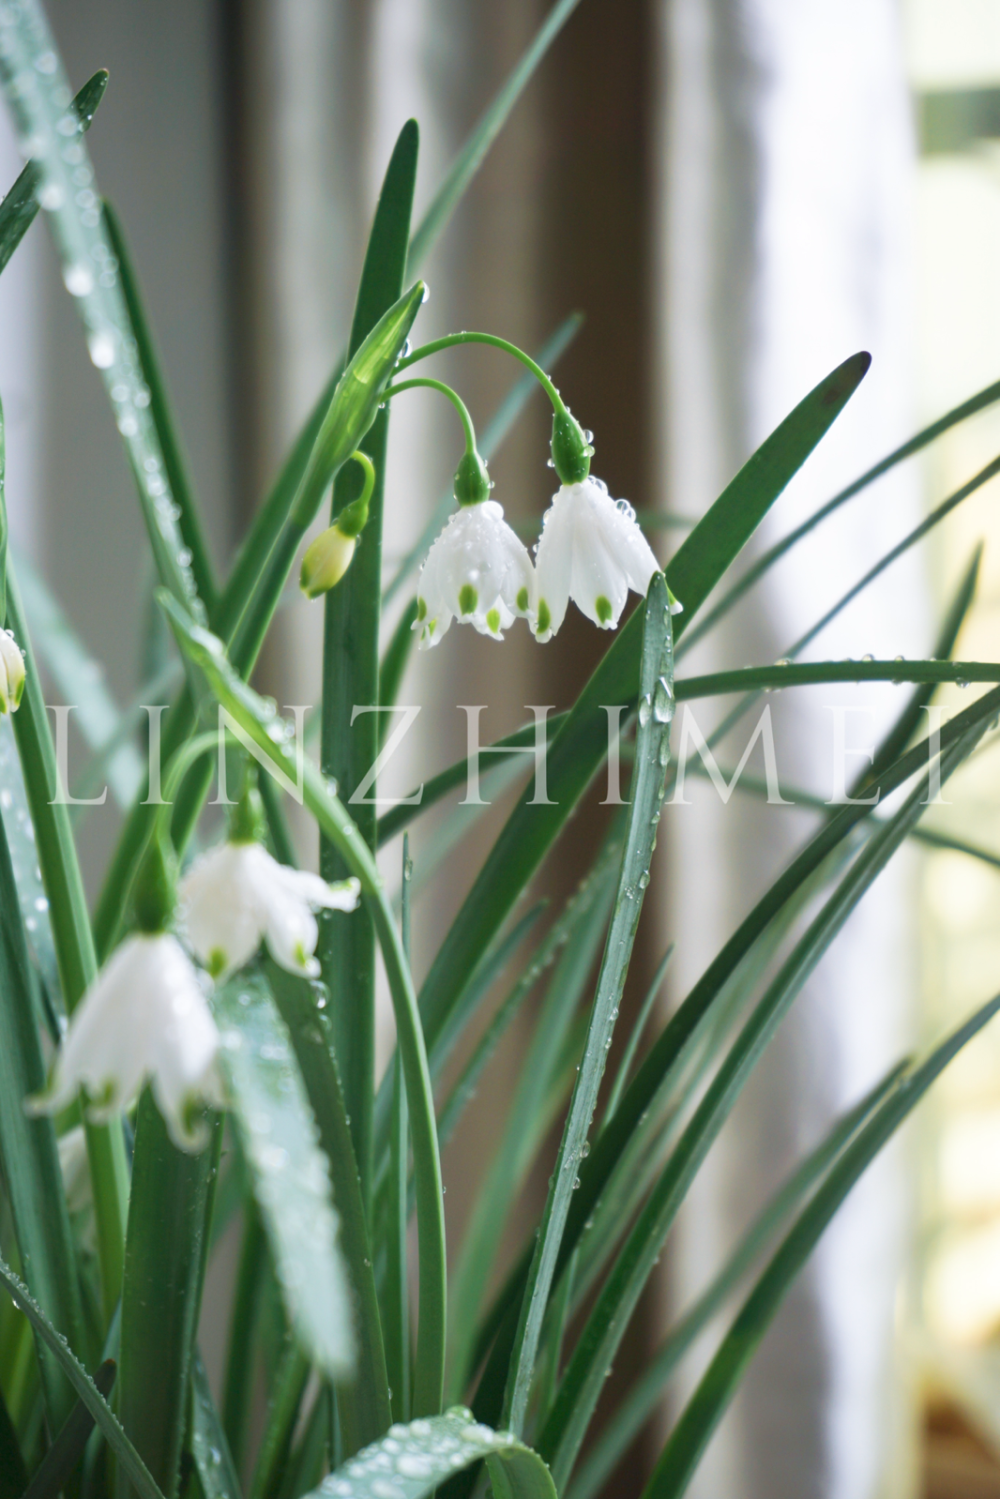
{"x": 736, "y": 195}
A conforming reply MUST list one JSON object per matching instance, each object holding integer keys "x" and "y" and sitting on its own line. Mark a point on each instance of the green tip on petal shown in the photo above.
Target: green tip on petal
{"x": 468, "y": 598}
{"x": 421, "y": 609}
{"x": 544, "y": 617}
{"x": 493, "y": 620}
{"x": 602, "y": 607}
{"x": 216, "y": 962}
{"x": 522, "y": 600}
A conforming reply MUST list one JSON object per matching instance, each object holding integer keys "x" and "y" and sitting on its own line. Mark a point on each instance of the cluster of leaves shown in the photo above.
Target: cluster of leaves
{"x": 116, "y": 1286}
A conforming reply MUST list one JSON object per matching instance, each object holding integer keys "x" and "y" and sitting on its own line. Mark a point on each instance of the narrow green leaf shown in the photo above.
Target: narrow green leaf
{"x": 647, "y": 1391}
{"x": 209, "y": 1447}
{"x": 777, "y": 677}
{"x": 580, "y": 746}
{"x": 165, "y": 1253}
{"x": 364, "y": 1403}
{"x": 31, "y": 894}
{"x": 757, "y": 569}
{"x": 19, "y": 207}
{"x": 74, "y": 945}
{"x": 13, "y": 1473}
{"x": 189, "y": 520}
{"x": 656, "y": 711}
{"x": 471, "y": 157}
{"x": 659, "y": 1067}
{"x": 56, "y": 1469}
{"x": 639, "y": 1026}
{"x": 241, "y": 1368}
{"x": 72, "y": 666}
{"x": 130, "y": 1461}
{"x": 911, "y": 718}
{"x": 575, "y": 941}
{"x": 594, "y": 1352}
{"x": 412, "y": 1460}
{"x": 350, "y": 741}
{"x": 263, "y": 729}
{"x": 30, "y": 1158}
{"x": 286, "y": 1397}
{"x": 703, "y": 1412}
{"x": 394, "y": 1240}
{"x": 394, "y": 662}
{"x": 290, "y": 1175}
{"x": 37, "y": 103}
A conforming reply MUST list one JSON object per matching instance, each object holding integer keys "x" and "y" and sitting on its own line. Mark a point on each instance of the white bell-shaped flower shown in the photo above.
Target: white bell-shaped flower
{"x": 592, "y": 551}
{"x": 477, "y": 572}
{"x": 236, "y": 894}
{"x": 145, "y": 1017}
{"x": 11, "y": 673}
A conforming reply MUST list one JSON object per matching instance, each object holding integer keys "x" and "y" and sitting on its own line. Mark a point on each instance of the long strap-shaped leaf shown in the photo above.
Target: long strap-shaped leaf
{"x": 605, "y": 1327}
{"x": 644, "y": 1396}
{"x": 363, "y": 1401}
{"x": 289, "y": 1171}
{"x": 656, "y": 688}
{"x": 33, "y": 1181}
{"x": 581, "y": 744}
{"x": 71, "y": 933}
{"x": 929, "y": 434}
{"x": 704, "y": 1411}
{"x": 131, "y": 1463}
{"x": 350, "y": 741}
{"x": 165, "y": 1256}
{"x": 666, "y": 1056}
{"x": 19, "y": 207}
{"x": 261, "y": 726}
{"x": 37, "y": 100}
{"x": 413, "y": 1460}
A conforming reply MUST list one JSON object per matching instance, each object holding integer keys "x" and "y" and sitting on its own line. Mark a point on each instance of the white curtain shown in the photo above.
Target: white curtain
{"x": 785, "y": 155}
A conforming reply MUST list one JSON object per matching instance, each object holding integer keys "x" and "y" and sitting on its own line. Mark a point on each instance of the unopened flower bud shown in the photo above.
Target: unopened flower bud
{"x": 326, "y": 561}
{"x": 472, "y": 483}
{"x": 571, "y": 448}
{"x": 11, "y": 673}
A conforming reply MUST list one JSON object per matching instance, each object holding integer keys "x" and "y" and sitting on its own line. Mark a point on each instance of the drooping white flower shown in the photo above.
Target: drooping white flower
{"x": 11, "y": 673}
{"x": 592, "y": 551}
{"x": 236, "y": 894}
{"x": 478, "y": 572}
{"x": 145, "y": 1017}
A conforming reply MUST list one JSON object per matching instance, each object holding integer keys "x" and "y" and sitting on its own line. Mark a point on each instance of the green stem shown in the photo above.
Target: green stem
{"x": 452, "y": 339}
{"x": 73, "y": 939}
{"x": 444, "y": 390}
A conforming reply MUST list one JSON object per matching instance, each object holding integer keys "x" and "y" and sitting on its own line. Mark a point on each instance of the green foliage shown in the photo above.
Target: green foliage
{"x": 323, "y": 1171}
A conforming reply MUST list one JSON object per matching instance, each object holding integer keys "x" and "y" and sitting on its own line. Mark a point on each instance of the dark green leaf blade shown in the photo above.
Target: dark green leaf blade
{"x": 131, "y": 1463}
{"x": 32, "y": 1177}
{"x": 290, "y": 1175}
{"x": 165, "y": 1255}
{"x": 19, "y": 207}
{"x": 56, "y": 1469}
{"x": 704, "y": 1410}
{"x": 413, "y": 1460}
{"x": 350, "y": 741}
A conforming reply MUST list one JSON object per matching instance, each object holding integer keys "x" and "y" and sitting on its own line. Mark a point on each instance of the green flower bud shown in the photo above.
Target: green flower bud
{"x": 472, "y": 482}
{"x": 246, "y": 817}
{"x": 571, "y": 449}
{"x": 326, "y": 561}
{"x": 11, "y": 673}
{"x": 355, "y": 402}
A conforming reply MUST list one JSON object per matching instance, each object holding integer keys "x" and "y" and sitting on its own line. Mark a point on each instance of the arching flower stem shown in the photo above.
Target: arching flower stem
{"x": 445, "y": 390}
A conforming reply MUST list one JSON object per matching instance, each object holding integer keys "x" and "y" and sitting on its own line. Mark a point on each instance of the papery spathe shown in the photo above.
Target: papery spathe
{"x": 145, "y": 1017}
{"x": 237, "y": 894}
{"x": 478, "y": 572}
{"x": 591, "y": 551}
